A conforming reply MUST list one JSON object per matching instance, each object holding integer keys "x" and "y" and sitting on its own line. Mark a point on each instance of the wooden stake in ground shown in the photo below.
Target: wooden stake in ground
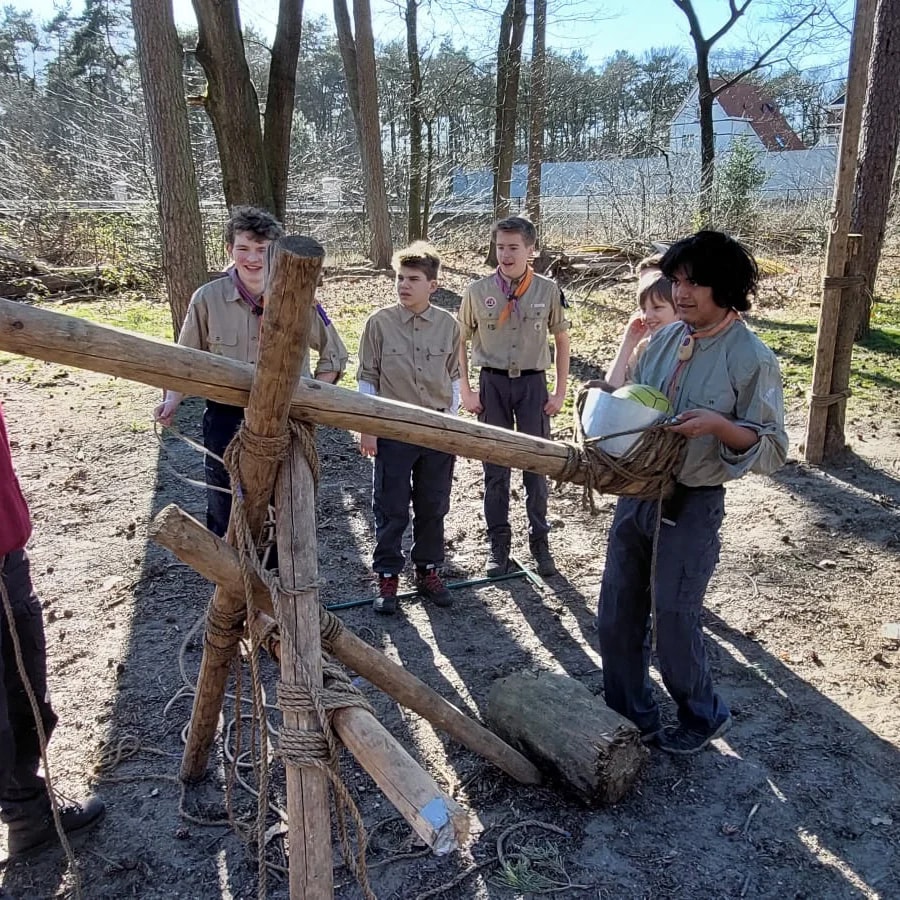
{"x": 309, "y": 816}
{"x": 824, "y": 390}
{"x": 296, "y": 263}
{"x": 218, "y": 561}
{"x": 595, "y": 753}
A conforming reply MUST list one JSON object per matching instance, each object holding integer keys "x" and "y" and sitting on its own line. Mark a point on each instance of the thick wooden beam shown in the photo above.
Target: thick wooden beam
{"x": 59, "y": 338}
{"x": 290, "y": 294}
{"x": 836, "y": 254}
{"x": 218, "y": 561}
{"x": 309, "y": 812}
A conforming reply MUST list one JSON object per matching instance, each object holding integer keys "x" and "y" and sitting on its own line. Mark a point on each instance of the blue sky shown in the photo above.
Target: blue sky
{"x": 597, "y": 28}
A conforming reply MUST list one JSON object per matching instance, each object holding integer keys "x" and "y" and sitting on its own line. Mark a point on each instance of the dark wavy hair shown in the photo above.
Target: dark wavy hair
{"x": 715, "y": 260}
{"x": 261, "y": 224}
{"x": 516, "y": 225}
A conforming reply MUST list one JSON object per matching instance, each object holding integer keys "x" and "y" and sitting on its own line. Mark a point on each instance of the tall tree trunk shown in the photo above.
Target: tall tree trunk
{"x": 160, "y": 61}
{"x": 509, "y": 64}
{"x": 279, "y": 115}
{"x": 537, "y": 100}
{"x": 877, "y": 153}
{"x": 414, "y": 217}
{"x": 232, "y": 104}
{"x": 429, "y": 177}
{"x": 358, "y": 55}
{"x": 707, "y": 141}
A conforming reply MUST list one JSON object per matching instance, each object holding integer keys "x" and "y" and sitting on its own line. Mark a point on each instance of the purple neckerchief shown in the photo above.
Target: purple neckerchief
{"x": 509, "y": 291}
{"x": 322, "y": 314}
{"x": 255, "y": 306}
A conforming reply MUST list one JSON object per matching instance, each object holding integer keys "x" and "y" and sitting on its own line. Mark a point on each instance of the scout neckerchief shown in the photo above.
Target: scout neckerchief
{"x": 686, "y": 348}
{"x": 255, "y": 304}
{"x": 512, "y": 293}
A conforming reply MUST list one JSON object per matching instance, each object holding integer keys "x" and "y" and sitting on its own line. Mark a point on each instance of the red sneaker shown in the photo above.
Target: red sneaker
{"x": 386, "y": 601}
{"x": 430, "y": 586}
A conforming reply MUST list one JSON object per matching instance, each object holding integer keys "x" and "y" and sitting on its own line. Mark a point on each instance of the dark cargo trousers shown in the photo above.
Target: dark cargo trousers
{"x": 220, "y": 424}
{"x": 406, "y": 473}
{"x": 514, "y": 403}
{"x": 20, "y": 752}
{"x": 687, "y": 554}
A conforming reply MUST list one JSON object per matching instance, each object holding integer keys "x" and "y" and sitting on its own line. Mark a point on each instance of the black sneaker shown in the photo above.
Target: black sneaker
{"x": 32, "y": 833}
{"x": 681, "y": 741}
{"x": 386, "y": 601}
{"x": 650, "y": 736}
{"x": 540, "y": 550}
{"x": 431, "y": 587}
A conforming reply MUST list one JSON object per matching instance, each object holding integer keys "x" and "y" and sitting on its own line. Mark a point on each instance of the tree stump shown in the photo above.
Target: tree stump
{"x": 593, "y": 752}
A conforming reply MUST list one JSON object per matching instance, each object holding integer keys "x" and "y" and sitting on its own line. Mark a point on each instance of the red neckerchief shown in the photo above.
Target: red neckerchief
{"x": 511, "y": 293}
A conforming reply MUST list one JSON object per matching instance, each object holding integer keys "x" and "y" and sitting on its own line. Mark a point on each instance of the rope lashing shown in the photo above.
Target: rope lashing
{"x": 829, "y": 399}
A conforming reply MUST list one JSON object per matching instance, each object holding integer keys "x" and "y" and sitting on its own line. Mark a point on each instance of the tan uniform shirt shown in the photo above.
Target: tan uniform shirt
{"x": 409, "y": 357}
{"x": 521, "y": 342}
{"x": 219, "y": 322}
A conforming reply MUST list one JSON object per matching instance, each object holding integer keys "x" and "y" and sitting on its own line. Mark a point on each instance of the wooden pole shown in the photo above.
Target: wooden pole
{"x": 216, "y": 560}
{"x": 309, "y": 815}
{"x": 836, "y": 251}
{"x": 438, "y": 819}
{"x": 296, "y": 263}
{"x": 56, "y": 337}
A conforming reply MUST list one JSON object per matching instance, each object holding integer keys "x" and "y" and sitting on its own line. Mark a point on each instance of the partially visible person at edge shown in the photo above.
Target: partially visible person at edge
{"x": 656, "y": 309}
{"x": 725, "y": 386}
{"x": 508, "y": 317}
{"x": 224, "y": 317}
{"x": 25, "y": 804}
{"x": 410, "y": 352}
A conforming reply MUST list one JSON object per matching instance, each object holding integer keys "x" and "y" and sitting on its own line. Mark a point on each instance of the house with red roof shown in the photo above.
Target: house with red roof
{"x": 740, "y": 110}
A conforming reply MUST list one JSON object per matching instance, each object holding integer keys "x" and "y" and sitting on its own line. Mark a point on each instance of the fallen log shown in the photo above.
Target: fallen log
{"x": 55, "y": 337}
{"x": 218, "y": 561}
{"x": 55, "y": 281}
{"x": 593, "y": 752}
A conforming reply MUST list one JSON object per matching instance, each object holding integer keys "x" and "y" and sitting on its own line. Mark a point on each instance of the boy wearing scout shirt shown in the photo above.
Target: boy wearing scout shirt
{"x": 410, "y": 352}
{"x": 508, "y": 317}
{"x": 224, "y": 318}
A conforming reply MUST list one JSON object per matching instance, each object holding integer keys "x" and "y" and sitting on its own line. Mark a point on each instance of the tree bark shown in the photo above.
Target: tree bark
{"x": 358, "y": 56}
{"x": 414, "y": 115}
{"x": 593, "y": 752}
{"x": 232, "y": 104}
{"x": 509, "y": 64}
{"x": 279, "y": 115}
{"x": 159, "y": 58}
{"x": 877, "y": 159}
{"x": 536, "y": 104}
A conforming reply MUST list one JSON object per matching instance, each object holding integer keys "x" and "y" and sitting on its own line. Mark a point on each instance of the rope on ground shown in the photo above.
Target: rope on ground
{"x": 42, "y": 736}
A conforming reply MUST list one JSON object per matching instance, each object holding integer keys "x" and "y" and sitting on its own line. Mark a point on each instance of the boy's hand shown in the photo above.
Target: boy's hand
{"x": 165, "y": 412}
{"x": 368, "y": 445}
{"x": 635, "y": 329}
{"x": 470, "y": 401}
{"x": 555, "y": 403}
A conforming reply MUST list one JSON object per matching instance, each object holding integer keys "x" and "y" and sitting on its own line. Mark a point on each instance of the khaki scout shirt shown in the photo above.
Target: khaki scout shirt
{"x": 521, "y": 341}
{"x": 219, "y": 322}
{"x": 409, "y": 357}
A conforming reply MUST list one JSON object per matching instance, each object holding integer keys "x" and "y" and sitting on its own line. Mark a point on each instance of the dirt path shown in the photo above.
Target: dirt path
{"x": 799, "y": 800}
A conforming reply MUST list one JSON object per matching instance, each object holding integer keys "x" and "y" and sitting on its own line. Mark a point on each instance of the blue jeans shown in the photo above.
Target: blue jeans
{"x": 687, "y": 553}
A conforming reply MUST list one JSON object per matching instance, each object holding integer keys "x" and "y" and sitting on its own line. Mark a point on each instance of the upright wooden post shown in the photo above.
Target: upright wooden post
{"x": 836, "y": 252}
{"x": 309, "y": 815}
{"x": 296, "y": 263}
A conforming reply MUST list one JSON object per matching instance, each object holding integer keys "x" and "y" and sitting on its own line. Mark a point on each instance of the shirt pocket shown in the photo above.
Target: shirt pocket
{"x": 712, "y": 397}
{"x": 437, "y": 353}
{"x": 223, "y": 342}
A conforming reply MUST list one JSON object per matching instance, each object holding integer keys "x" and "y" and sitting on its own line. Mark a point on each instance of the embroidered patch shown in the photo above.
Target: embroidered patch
{"x": 538, "y": 326}
{"x": 539, "y": 305}
{"x": 490, "y": 302}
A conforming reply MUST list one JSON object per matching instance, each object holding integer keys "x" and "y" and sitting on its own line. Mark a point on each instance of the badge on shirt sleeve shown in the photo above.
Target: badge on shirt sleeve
{"x": 490, "y": 302}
